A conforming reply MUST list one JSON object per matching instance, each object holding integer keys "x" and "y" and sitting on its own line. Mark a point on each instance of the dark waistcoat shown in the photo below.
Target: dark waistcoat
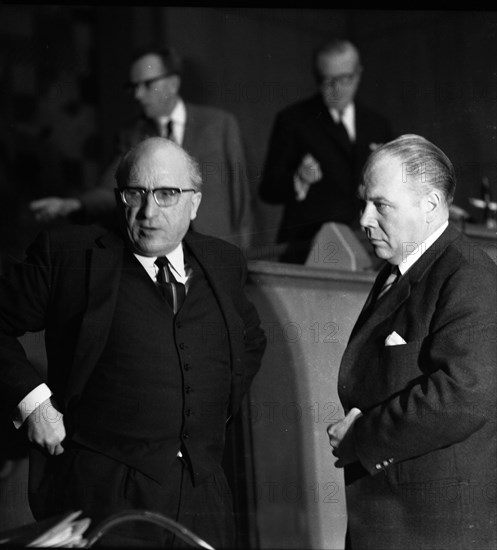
{"x": 162, "y": 382}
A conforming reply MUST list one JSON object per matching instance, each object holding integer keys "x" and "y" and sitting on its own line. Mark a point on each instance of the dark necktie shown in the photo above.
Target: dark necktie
{"x": 389, "y": 282}
{"x": 166, "y": 130}
{"x": 172, "y": 291}
{"x": 169, "y": 130}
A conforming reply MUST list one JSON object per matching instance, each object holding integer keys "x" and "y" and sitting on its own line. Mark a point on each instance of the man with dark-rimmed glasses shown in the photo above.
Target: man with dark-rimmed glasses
{"x": 140, "y": 390}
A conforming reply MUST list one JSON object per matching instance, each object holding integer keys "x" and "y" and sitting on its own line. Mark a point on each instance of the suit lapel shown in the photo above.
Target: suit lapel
{"x": 210, "y": 262}
{"x": 367, "y": 307}
{"x": 104, "y": 269}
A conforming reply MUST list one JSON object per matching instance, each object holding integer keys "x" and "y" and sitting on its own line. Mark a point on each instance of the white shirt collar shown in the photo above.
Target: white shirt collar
{"x": 418, "y": 250}
{"x": 348, "y": 119}
{"x": 176, "y": 260}
{"x": 178, "y": 114}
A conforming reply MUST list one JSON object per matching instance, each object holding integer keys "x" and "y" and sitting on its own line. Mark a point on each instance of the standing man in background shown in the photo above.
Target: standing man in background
{"x": 151, "y": 345}
{"x": 317, "y": 149}
{"x": 210, "y": 135}
{"x": 418, "y": 379}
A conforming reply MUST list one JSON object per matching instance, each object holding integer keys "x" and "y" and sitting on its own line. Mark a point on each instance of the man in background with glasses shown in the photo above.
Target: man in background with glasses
{"x": 151, "y": 345}
{"x": 317, "y": 149}
{"x": 211, "y": 135}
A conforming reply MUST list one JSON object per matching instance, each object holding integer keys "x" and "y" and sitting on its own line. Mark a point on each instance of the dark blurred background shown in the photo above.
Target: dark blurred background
{"x": 62, "y": 70}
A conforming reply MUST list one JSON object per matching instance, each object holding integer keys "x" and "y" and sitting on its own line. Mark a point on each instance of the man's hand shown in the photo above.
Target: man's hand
{"x": 307, "y": 173}
{"x": 45, "y": 427}
{"x": 51, "y": 208}
{"x": 340, "y": 437}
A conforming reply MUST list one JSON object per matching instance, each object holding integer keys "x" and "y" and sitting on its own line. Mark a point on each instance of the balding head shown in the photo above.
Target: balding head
{"x": 159, "y": 154}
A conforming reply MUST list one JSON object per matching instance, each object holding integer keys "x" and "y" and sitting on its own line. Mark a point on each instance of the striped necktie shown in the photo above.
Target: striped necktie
{"x": 389, "y": 282}
{"x": 172, "y": 291}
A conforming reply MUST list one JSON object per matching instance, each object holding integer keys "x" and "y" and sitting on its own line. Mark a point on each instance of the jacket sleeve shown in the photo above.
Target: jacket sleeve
{"x": 99, "y": 202}
{"x": 24, "y": 298}
{"x": 239, "y": 185}
{"x": 282, "y": 160}
{"x": 253, "y": 338}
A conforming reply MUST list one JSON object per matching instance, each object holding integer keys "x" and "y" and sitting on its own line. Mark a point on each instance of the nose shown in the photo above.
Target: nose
{"x": 139, "y": 91}
{"x": 149, "y": 208}
{"x": 368, "y": 218}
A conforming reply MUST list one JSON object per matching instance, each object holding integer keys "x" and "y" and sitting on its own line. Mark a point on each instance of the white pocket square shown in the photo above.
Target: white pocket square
{"x": 394, "y": 339}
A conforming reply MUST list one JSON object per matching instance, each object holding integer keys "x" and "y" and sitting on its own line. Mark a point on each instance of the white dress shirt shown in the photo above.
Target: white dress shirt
{"x": 178, "y": 116}
{"x": 415, "y": 251}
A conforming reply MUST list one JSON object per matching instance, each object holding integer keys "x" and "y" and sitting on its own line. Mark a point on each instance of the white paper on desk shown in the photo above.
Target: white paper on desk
{"x": 394, "y": 339}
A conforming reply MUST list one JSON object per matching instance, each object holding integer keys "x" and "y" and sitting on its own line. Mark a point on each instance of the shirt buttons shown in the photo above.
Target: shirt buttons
{"x": 186, "y": 366}
{"x": 186, "y": 435}
{"x": 188, "y": 389}
{"x": 181, "y": 345}
{"x": 188, "y": 412}
{"x": 378, "y": 466}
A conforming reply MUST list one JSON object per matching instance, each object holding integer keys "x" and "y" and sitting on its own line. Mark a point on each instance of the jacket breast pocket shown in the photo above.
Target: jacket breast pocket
{"x": 399, "y": 365}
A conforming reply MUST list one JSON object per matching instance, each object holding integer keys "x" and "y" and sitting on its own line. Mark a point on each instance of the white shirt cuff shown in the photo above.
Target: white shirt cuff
{"x": 33, "y": 400}
{"x": 301, "y": 188}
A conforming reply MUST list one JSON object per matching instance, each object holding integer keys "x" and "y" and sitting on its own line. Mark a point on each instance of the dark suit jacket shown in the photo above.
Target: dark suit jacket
{"x": 212, "y": 136}
{"x": 426, "y": 476}
{"x": 308, "y": 128}
{"x": 68, "y": 287}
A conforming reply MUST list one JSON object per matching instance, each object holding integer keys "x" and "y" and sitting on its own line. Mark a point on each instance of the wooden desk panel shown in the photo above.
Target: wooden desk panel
{"x": 308, "y": 314}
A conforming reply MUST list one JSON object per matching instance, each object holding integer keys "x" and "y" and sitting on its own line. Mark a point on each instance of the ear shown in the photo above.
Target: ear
{"x": 359, "y": 73}
{"x": 432, "y": 203}
{"x": 117, "y": 196}
{"x": 196, "y": 199}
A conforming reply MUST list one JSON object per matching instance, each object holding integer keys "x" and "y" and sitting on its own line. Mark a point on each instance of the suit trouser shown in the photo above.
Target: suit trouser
{"x": 81, "y": 479}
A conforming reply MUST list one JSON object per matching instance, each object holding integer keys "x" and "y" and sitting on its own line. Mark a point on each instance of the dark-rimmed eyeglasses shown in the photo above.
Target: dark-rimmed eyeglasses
{"x": 146, "y": 82}
{"x": 163, "y": 196}
{"x": 345, "y": 79}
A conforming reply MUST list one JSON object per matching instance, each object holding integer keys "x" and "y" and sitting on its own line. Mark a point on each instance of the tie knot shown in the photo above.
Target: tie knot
{"x": 394, "y": 273}
{"x": 164, "y": 266}
{"x": 161, "y": 261}
{"x": 389, "y": 281}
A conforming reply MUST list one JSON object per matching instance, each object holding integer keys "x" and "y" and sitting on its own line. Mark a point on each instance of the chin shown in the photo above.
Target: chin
{"x": 382, "y": 254}
{"x": 145, "y": 249}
